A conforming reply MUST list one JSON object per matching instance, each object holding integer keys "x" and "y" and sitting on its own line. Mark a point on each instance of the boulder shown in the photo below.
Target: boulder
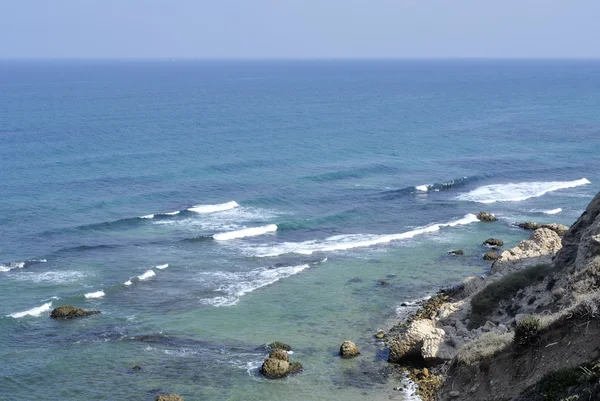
{"x": 457, "y": 252}
{"x": 70, "y": 312}
{"x": 493, "y": 242}
{"x": 485, "y": 216}
{"x": 278, "y": 365}
{"x": 279, "y": 354}
{"x": 539, "y": 248}
{"x": 273, "y": 368}
{"x": 421, "y": 338}
{"x": 348, "y": 350}
{"x": 295, "y": 367}
{"x": 491, "y": 256}
{"x": 559, "y": 229}
{"x": 279, "y": 345}
{"x": 169, "y": 397}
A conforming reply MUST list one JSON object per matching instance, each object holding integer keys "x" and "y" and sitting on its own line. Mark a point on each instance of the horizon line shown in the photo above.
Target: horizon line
{"x": 188, "y": 58}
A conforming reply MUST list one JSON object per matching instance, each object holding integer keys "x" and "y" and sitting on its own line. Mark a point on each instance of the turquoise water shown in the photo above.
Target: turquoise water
{"x": 345, "y": 173}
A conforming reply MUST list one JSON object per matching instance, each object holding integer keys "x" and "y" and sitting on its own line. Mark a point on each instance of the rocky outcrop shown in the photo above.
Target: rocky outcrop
{"x": 70, "y": 312}
{"x": 458, "y": 252}
{"x": 538, "y": 249}
{"x": 348, "y": 350}
{"x": 580, "y": 255}
{"x": 491, "y": 256}
{"x": 494, "y": 242}
{"x": 278, "y": 365}
{"x": 485, "y": 216}
{"x": 584, "y": 228}
{"x": 169, "y": 397}
{"x": 559, "y": 229}
{"x": 279, "y": 345}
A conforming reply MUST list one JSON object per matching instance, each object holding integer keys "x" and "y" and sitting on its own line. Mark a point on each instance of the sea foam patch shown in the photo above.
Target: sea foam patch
{"x": 97, "y": 294}
{"x": 351, "y": 241}
{"x": 233, "y": 285}
{"x": 146, "y": 275}
{"x": 516, "y": 192}
{"x": 5, "y": 267}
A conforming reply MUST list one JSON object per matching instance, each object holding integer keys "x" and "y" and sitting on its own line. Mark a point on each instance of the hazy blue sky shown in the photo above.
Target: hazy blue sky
{"x": 299, "y": 28}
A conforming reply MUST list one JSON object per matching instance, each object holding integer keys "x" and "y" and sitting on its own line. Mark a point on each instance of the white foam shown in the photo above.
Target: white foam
{"x": 172, "y": 213}
{"x": 97, "y": 294}
{"x": 33, "y": 311}
{"x": 162, "y": 267}
{"x": 51, "y": 276}
{"x": 552, "y": 211}
{"x": 148, "y": 216}
{"x": 351, "y": 241}
{"x": 245, "y": 232}
{"x": 38, "y": 260}
{"x": 423, "y": 188}
{"x": 214, "y": 208}
{"x": 236, "y": 285}
{"x": 515, "y": 192}
{"x": 147, "y": 274}
{"x": 10, "y": 266}
{"x": 128, "y": 282}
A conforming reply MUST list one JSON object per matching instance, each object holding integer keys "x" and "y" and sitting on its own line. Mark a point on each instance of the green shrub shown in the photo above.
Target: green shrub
{"x": 484, "y": 347}
{"x": 484, "y": 302}
{"x": 527, "y": 331}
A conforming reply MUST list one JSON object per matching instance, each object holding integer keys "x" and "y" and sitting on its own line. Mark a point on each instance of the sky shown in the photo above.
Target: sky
{"x": 217, "y": 29}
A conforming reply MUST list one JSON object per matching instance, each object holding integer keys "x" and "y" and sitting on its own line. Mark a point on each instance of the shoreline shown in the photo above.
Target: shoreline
{"x": 420, "y": 351}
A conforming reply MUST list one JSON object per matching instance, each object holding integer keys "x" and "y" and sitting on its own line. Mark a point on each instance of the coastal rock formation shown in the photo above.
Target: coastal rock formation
{"x": 70, "y": 312}
{"x": 274, "y": 368}
{"x": 538, "y": 249}
{"x": 279, "y": 345}
{"x": 348, "y": 350}
{"x": 493, "y": 242}
{"x": 459, "y": 252}
{"x": 559, "y": 229}
{"x": 421, "y": 339}
{"x": 485, "y": 216}
{"x": 169, "y": 397}
{"x": 278, "y": 365}
{"x": 491, "y": 256}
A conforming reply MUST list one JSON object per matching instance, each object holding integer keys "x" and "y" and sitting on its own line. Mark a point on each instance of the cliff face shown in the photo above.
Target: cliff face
{"x": 538, "y": 312}
{"x": 559, "y": 357}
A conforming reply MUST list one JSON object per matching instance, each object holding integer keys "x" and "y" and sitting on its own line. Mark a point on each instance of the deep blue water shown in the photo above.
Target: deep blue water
{"x": 341, "y": 168}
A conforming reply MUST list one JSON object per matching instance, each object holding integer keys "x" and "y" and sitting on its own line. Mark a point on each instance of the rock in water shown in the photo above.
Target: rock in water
{"x": 485, "y": 216}
{"x": 529, "y": 225}
{"x": 70, "y": 312}
{"x": 491, "y": 256}
{"x": 349, "y": 350}
{"x": 559, "y": 229}
{"x": 279, "y": 345}
{"x": 169, "y": 397}
{"x": 493, "y": 242}
{"x": 295, "y": 367}
{"x": 538, "y": 249}
{"x": 279, "y": 354}
{"x": 457, "y": 252}
{"x": 273, "y": 368}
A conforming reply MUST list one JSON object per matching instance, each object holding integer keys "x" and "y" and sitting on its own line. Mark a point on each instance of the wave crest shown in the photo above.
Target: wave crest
{"x": 246, "y": 232}
{"x": 213, "y": 208}
{"x": 516, "y": 192}
{"x": 33, "y": 311}
{"x": 351, "y": 241}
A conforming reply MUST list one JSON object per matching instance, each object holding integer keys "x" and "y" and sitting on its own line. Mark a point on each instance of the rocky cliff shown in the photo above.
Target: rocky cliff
{"x": 503, "y": 337}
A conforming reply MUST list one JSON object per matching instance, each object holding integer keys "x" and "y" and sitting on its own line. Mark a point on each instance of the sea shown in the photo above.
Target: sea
{"x": 208, "y": 208}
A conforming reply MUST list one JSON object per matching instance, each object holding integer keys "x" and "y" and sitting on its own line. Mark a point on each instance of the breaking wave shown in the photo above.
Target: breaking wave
{"x": 97, "y": 294}
{"x": 33, "y": 311}
{"x": 515, "y": 192}
{"x": 245, "y": 232}
{"x": 351, "y": 241}
{"x": 213, "y": 208}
